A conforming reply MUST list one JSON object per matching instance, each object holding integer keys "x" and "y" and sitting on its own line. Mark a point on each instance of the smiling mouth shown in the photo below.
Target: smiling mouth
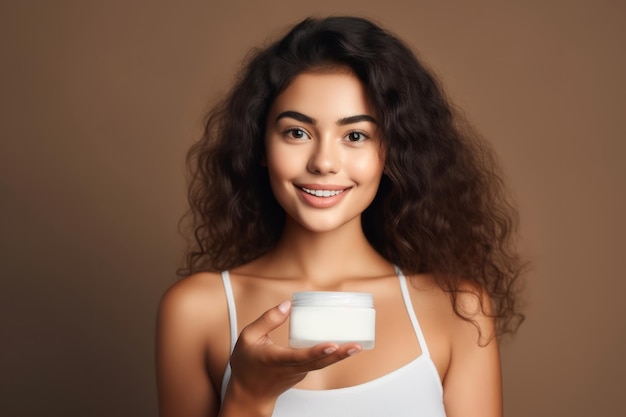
{"x": 322, "y": 193}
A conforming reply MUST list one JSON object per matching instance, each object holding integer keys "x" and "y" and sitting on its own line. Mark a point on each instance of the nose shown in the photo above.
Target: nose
{"x": 325, "y": 158}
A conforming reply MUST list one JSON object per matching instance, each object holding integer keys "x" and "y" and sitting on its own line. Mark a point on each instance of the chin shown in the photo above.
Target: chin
{"x": 324, "y": 224}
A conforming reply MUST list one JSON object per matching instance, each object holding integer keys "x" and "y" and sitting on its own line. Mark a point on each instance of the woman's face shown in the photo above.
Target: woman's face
{"x": 323, "y": 150}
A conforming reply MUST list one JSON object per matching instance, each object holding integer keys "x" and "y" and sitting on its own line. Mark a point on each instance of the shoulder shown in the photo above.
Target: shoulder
{"x": 474, "y": 315}
{"x": 453, "y": 322}
{"x": 192, "y": 292}
{"x": 460, "y": 331}
{"x": 194, "y": 301}
{"x": 466, "y": 311}
{"x": 192, "y": 345}
{"x": 473, "y": 386}
{"x": 193, "y": 324}
{"x": 195, "y": 286}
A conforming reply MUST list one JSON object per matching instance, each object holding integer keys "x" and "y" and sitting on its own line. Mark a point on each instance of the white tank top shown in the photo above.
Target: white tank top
{"x": 413, "y": 390}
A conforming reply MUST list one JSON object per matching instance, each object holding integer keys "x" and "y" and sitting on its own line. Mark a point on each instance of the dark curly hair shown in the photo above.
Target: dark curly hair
{"x": 440, "y": 208}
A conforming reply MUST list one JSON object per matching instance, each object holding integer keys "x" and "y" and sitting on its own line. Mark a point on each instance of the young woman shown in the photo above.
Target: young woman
{"x": 336, "y": 164}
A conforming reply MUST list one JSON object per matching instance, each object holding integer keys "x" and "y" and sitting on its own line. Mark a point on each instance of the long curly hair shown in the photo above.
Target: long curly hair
{"x": 441, "y": 207}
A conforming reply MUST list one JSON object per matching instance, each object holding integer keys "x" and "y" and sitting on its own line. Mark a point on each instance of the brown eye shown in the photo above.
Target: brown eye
{"x": 356, "y": 136}
{"x": 297, "y": 133}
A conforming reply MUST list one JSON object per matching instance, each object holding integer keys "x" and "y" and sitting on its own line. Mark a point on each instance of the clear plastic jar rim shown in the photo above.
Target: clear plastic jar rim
{"x": 332, "y": 299}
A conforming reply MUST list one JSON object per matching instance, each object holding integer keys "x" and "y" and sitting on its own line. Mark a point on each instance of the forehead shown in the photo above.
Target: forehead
{"x": 334, "y": 94}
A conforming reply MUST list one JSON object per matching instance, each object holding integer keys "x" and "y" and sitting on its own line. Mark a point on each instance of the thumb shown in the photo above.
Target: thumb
{"x": 268, "y": 321}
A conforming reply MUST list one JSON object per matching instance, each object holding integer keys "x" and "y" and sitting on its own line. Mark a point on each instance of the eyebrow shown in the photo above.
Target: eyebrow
{"x": 356, "y": 119}
{"x": 297, "y": 116}
{"x": 341, "y": 122}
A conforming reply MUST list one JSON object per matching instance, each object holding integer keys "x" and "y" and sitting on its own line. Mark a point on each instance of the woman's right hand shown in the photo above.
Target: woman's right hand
{"x": 262, "y": 370}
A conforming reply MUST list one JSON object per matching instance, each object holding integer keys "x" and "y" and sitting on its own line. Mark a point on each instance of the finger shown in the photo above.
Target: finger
{"x": 343, "y": 352}
{"x": 288, "y": 356}
{"x": 267, "y": 322}
{"x": 315, "y": 357}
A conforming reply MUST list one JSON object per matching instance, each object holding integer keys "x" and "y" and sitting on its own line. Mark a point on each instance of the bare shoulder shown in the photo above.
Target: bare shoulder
{"x": 191, "y": 346}
{"x": 460, "y": 332}
{"x": 194, "y": 313}
{"x": 472, "y": 384}
{"x": 192, "y": 292}
{"x": 195, "y": 300}
{"x": 466, "y": 312}
{"x": 475, "y": 323}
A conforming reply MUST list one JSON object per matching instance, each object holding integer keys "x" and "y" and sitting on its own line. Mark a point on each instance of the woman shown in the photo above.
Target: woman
{"x": 336, "y": 164}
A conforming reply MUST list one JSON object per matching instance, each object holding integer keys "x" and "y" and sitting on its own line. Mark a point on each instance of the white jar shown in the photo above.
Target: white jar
{"x": 340, "y": 317}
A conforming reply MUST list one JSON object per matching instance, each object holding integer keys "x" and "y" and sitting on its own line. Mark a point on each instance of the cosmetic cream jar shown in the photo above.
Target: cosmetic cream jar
{"x": 340, "y": 317}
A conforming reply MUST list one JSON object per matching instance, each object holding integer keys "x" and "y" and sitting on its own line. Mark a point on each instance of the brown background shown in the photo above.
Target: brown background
{"x": 100, "y": 100}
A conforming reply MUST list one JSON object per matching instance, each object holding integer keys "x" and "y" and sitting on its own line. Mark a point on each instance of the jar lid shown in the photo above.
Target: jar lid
{"x": 332, "y": 299}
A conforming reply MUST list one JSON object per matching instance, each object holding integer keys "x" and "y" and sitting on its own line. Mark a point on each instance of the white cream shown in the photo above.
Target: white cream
{"x": 340, "y": 317}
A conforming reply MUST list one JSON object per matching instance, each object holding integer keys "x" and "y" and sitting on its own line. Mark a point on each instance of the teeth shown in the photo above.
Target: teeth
{"x": 322, "y": 193}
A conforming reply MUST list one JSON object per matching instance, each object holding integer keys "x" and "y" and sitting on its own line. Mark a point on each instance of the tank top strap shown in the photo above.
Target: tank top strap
{"x": 232, "y": 310}
{"x": 232, "y": 318}
{"x": 409, "y": 307}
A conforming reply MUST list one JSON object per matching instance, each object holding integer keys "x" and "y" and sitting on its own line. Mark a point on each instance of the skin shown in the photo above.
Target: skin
{"x": 321, "y": 134}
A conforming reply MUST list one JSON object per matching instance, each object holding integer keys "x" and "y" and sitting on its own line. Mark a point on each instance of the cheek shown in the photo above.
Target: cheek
{"x": 283, "y": 166}
{"x": 368, "y": 169}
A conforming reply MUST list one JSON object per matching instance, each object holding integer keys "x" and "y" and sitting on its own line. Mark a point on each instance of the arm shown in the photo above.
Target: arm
{"x": 473, "y": 383}
{"x": 192, "y": 334}
{"x": 184, "y": 386}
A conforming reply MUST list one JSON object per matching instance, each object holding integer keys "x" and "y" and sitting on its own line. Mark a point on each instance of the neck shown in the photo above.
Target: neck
{"x": 325, "y": 258}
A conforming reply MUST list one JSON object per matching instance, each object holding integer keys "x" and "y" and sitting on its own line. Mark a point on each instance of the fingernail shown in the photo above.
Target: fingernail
{"x": 353, "y": 351}
{"x": 330, "y": 350}
{"x": 284, "y": 306}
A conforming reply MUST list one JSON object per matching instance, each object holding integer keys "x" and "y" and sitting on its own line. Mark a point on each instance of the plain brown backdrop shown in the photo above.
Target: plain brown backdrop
{"x": 100, "y": 100}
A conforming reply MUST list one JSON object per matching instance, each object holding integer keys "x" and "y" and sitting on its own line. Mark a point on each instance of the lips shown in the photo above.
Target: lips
{"x": 322, "y": 196}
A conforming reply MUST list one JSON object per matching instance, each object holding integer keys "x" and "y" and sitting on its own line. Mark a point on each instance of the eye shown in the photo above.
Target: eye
{"x": 296, "y": 133}
{"x": 356, "y": 136}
